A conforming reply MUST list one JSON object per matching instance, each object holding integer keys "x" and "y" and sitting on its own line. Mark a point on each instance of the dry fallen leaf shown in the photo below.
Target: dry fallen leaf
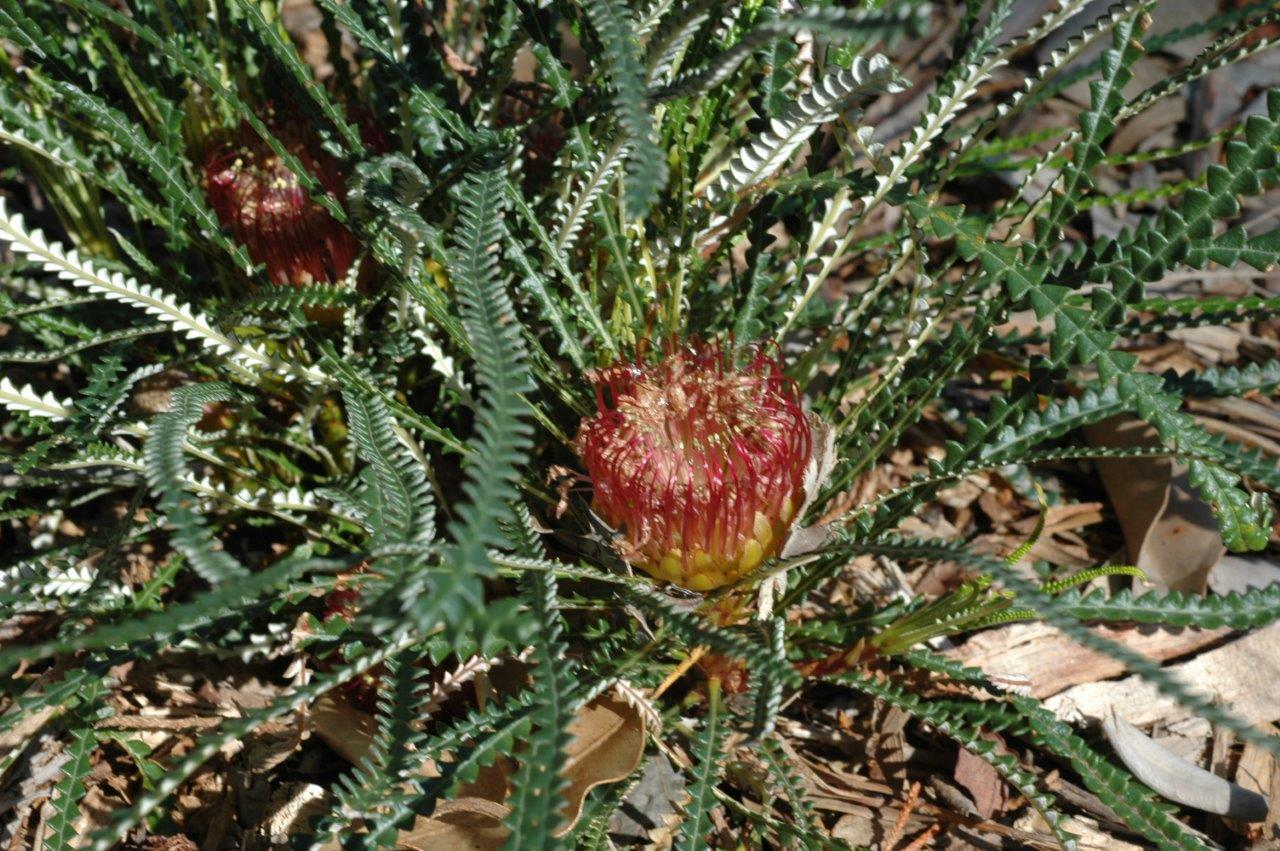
{"x": 650, "y": 803}
{"x": 1052, "y": 662}
{"x": 984, "y": 784}
{"x": 345, "y": 729}
{"x": 1170, "y": 532}
{"x": 1092, "y": 837}
{"x": 606, "y": 745}
{"x": 1178, "y": 780}
{"x": 1259, "y": 771}
{"x": 1243, "y": 674}
{"x": 466, "y": 824}
{"x": 1239, "y": 573}
{"x": 292, "y": 806}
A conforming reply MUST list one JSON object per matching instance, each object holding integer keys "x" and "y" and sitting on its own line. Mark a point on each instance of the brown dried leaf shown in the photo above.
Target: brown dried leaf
{"x": 1244, "y": 675}
{"x": 1171, "y": 533}
{"x": 1053, "y": 662}
{"x": 271, "y": 744}
{"x": 984, "y": 784}
{"x": 493, "y": 782}
{"x": 607, "y": 745}
{"x": 345, "y": 729}
{"x": 96, "y": 809}
{"x": 1259, "y": 771}
{"x": 22, "y": 727}
{"x": 291, "y": 809}
{"x": 167, "y": 843}
{"x": 467, "y": 824}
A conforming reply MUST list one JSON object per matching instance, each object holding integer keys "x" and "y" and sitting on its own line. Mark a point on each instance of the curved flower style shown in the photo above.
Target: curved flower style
{"x": 700, "y": 462}
{"x": 264, "y": 205}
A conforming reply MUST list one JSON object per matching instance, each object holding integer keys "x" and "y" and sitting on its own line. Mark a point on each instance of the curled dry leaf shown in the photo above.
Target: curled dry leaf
{"x": 607, "y": 745}
{"x": 1170, "y": 532}
{"x": 1178, "y": 780}
{"x": 466, "y": 824}
{"x": 802, "y": 540}
{"x": 772, "y": 588}
{"x": 457, "y": 678}
{"x": 292, "y": 807}
{"x": 821, "y": 462}
{"x": 607, "y": 741}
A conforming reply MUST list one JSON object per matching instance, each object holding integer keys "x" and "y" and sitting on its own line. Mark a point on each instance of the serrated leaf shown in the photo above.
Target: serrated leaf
{"x": 833, "y": 95}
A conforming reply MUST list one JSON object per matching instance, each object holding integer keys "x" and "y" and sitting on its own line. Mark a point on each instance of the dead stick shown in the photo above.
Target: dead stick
{"x": 681, "y": 669}
{"x": 913, "y": 797}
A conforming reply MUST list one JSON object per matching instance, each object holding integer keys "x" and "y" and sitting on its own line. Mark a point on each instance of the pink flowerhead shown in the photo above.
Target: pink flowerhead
{"x": 699, "y": 462}
{"x": 267, "y": 209}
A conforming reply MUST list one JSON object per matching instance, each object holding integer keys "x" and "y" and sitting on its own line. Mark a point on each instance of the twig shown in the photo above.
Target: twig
{"x": 681, "y": 669}
{"x": 895, "y": 835}
{"x": 925, "y": 836}
{"x": 159, "y": 723}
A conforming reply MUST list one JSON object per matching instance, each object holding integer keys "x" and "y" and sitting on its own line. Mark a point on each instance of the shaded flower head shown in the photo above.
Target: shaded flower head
{"x": 700, "y": 462}
{"x": 268, "y": 210}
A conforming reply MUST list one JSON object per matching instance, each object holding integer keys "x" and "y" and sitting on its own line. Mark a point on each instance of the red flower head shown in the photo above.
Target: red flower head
{"x": 700, "y": 462}
{"x": 267, "y": 209}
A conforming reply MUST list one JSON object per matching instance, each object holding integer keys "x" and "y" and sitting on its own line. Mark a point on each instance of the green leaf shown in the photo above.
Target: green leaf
{"x": 502, "y": 437}
{"x": 166, "y": 470}
{"x": 402, "y": 512}
{"x": 707, "y": 745}
{"x": 646, "y": 162}
{"x": 832, "y": 96}
{"x": 70, "y": 789}
{"x": 535, "y": 800}
{"x": 1250, "y": 609}
{"x": 300, "y": 77}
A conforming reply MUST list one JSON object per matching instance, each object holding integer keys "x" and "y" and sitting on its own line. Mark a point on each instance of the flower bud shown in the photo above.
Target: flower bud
{"x": 699, "y": 462}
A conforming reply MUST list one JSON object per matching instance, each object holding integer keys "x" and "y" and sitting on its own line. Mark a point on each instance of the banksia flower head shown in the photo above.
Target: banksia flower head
{"x": 268, "y": 210}
{"x": 699, "y": 462}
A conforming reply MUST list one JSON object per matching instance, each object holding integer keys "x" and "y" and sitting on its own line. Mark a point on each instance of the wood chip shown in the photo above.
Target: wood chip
{"x": 1243, "y": 676}
{"x": 1259, "y": 771}
{"x": 1053, "y": 662}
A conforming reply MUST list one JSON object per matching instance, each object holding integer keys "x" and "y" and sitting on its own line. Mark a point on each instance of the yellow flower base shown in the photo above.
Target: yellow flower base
{"x": 704, "y": 571}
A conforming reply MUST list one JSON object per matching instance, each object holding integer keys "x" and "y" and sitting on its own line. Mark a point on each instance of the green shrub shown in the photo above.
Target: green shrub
{"x": 331, "y": 337}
